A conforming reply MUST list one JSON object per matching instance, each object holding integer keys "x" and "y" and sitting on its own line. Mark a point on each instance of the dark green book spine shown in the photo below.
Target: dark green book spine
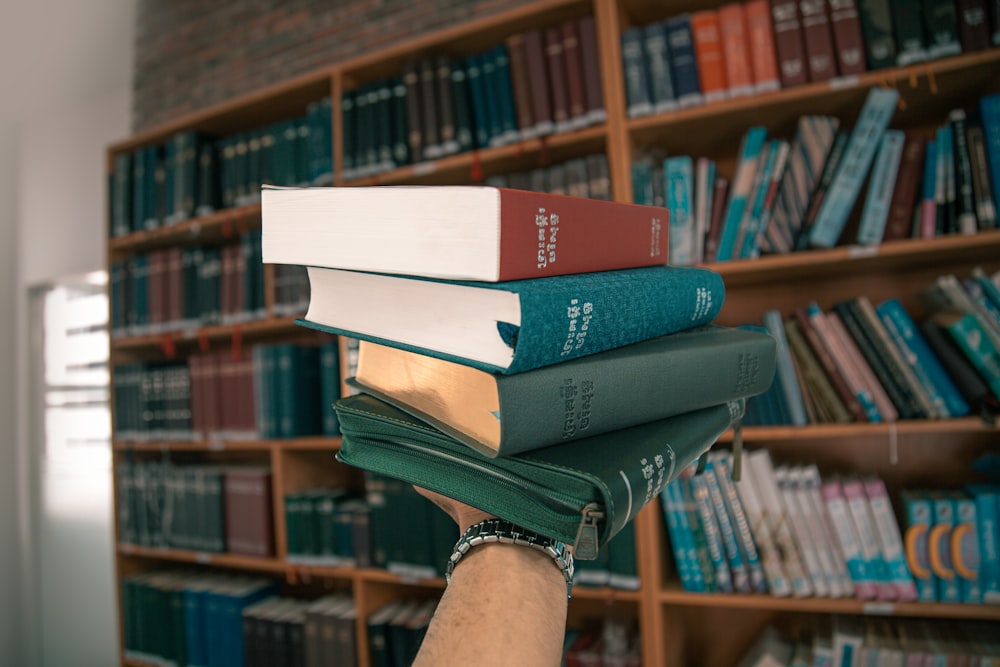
{"x": 941, "y": 26}
{"x": 383, "y": 125}
{"x": 480, "y": 112}
{"x": 350, "y": 133}
{"x": 876, "y": 27}
{"x": 400, "y": 130}
{"x": 463, "y": 107}
{"x": 908, "y": 28}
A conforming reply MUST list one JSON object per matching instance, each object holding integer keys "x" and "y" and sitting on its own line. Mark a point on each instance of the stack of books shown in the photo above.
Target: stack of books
{"x": 513, "y": 321}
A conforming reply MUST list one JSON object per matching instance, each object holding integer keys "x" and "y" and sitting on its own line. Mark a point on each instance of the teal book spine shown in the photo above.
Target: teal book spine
{"x": 876, "y": 209}
{"x": 847, "y": 537}
{"x": 940, "y": 547}
{"x": 965, "y": 548}
{"x": 638, "y": 96}
{"x": 680, "y": 539}
{"x": 678, "y": 174}
{"x": 740, "y": 191}
{"x": 919, "y": 517}
{"x": 868, "y": 538}
{"x": 706, "y": 515}
{"x": 480, "y": 111}
{"x": 789, "y": 383}
{"x": 734, "y": 556}
{"x": 329, "y": 362}
{"x": 642, "y": 182}
{"x": 989, "y": 110}
{"x": 504, "y": 94}
{"x": 976, "y": 344}
{"x": 566, "y": 317}
{"x": 700, "y": 556}
{"x": 865, "y": 138}
{"x": 987, "y": 500}
{"x": 921, "y": 358}
{"x": 764, "y": 198}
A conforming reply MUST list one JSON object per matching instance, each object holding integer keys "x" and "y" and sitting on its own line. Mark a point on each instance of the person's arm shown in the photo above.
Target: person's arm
{"x": 505, "y": 605}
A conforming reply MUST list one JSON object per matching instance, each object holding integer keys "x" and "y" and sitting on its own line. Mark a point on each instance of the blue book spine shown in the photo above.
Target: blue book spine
{"x": 642, "y": 182}
{"x": 734, "y": 507}
{"x": 987, "y": 500}
{"x": 740, "y": 191}
{"x": 637, "y": 90}
{"x": 777, "y": 154}
{"x": 865, "y": 138}
{"x": 565, "y": 317}
{"x": 480, "y": 112}
{"x": 789, "y": 382}
{"x": 965, "y": 549}
{"x": 945, "y": 193}
{"x": 683, "y": 63}
{"x": 921, "y": 358}
{"x": 703, "y": 504}
{"x": 876, "y": 209}
{"x": 919, "y": 516}
{"x": 990, "y": 291}
{"x": 661, "y": 85}
{"x": 989, "y": 108}
{"x": 194, "y": 627}
{"x": 505, "y": 93}
{"x": 940, "y": 547}
{"x": 678, "y": 174}
{"x": 737, "y": 565}
{"x": 676, "y": 518}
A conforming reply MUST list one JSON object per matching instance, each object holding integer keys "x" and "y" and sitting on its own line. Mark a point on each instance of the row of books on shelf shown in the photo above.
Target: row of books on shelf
{"x": 862, "y": 362}
{"x": 580, "y": 177}
{"x": 282, "y": 390}
{"x": 197, "y": 507}
{"x": 792, "y": 195}
{"x": 195, "y": 173}
{"x": 788, "y": 531}
{"x": 745, "y": 48}
{"x": 851, "y": 642}
{"x": 534, "y": 83}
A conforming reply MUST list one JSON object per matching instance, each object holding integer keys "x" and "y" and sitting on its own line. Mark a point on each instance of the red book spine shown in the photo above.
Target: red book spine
{"x": 593, "y": 84}
{"x": 519, "y": 82}
{"x": 791, "y": 52}
{"x": 739, "y": 71}
{"x": 557, "y": 78}
{"x": 547, "y": 235}
{"x": 973, "y": 25}
{"x": 904, "y": 196}
{"x": 762, "y": 47}
{"x": 538, "y": 78}
{"x": 820, "y": 58}
{"x": 831, "y": 367}
{"x": 846, "y": 25}
{"x": 574, "y": 70}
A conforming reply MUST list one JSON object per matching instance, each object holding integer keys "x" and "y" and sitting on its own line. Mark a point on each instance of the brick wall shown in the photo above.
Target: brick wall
{"x": 191, "y": 54}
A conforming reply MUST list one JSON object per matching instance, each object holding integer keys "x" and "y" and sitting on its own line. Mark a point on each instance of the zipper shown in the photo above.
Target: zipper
{"x": 586, "y": 544}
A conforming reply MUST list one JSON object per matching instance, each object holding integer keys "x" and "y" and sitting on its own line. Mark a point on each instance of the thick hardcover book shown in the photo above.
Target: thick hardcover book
{"x": 973, "y": 25}
{"x": 518, "y": 325}
{"x": 708, "y": 52}
{"x": 638, "y": 97}
{"x": 789, "y": 47}
{"x": 736, "y": 47}
{"x": 821, "y": 60}
{"x": 875, "y": 115}
{"x": 249, "y": 523}
{"x": 683, "y": 62}
{"x": 760, "y": 35}
{"x": 581, "y": 492}
{"x": 593, "y": 82}
{"x": 505, "y": 414}
{"x": 908, "y": 29}
{"x": 538, "y": 78}
{"x": 558, "y": 88}
{"x": 941, "y": 26}
{"x": 460, "y": 232}
{"x": 575, "y": 86}
{"x": 876, "y": 26}
{"x": 848, "y": 36}
{"x": 520, "y": 82}
{"x": 657, "y": 78}
{"x": 875, "y": 214}
{"x": 899, "y": 224}
{"x": 985, "y": 198}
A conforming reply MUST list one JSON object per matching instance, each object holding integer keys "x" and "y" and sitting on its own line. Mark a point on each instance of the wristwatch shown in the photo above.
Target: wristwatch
{"x": 505, "y": 532}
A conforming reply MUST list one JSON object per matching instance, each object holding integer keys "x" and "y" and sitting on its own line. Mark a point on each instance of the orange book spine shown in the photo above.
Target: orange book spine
{"x": 763, "y": 55}
{"x": 708, "y": 52}
{"x": 733, "y": 28}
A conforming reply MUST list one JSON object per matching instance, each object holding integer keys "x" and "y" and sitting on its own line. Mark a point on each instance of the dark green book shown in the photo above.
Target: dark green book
{"x": 622, "y": 560}
{"x": 349, "y": 120}
{"x": 877, "y": 30}
{"x": 399, "y": 130}
{"x": 941, "y": 26}
{"x": 505, "y": 414}
{"x": 463, "y": 107}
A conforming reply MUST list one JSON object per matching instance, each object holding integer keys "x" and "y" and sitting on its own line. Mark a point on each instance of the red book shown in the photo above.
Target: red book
{"x": 519, "y": 82}
{"x": 557, "y": 78}
{"x": 904, "y": 196}
{"x": 763, "y": 56}
{"x": 175, "y": 284}
{"x": 821, "y": 61}
{"x": 847, "y": 38}
{"x": 593, "y": 85}
{"x": 457, "y": 232}
{"x": 574, "y": 71}
{"x": 708, "y": 52}
{"x": 538, "y": 79}
{"x": 791, "y": 53}
{"x": 739, "y": 71}
{"x": 973, "y": 25}
{"x": 249, "y": 514}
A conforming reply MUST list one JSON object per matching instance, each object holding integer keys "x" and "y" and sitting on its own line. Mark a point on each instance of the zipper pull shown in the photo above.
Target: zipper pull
{"x": 585, "y": 546}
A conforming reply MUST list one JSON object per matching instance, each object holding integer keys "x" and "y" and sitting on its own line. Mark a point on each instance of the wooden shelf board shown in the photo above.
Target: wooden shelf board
{"x": 606, "y": 594}
{"x": 248, "y": 330}
{"x": 831, "y": 606}
{"x": 203, "y": 558}
{"x": 221, "y": 225}
{"x": 826, "y": 431}
{"x": 458, "y": 167}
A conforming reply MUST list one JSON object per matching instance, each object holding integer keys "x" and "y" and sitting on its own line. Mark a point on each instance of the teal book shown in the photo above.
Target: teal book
{"x": 678, "y": 174}
{"x": 740, "y": 191}
{"x": 329, "y": 363}
{"x": 876, "y": 113}
{"x": 876, "y": 210}
{"x": 919, "y": 517}
{"x": 510, "y": 327}
{"x": 681, "y": 542}
{"x": 987, "y": 500}
{"x": 505, "y": 414}
{"x": 787, "y": 377}
{"x": 972, "y": 338}
{"x": 940, "y": 539}
{"x": 989, "y": 110}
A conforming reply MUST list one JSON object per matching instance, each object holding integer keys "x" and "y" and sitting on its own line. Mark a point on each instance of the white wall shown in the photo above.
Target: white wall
{"x": 65, "y": 69}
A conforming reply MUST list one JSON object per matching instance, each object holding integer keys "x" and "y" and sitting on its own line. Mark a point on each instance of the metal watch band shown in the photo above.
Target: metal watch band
{"x": 505, "y": 532}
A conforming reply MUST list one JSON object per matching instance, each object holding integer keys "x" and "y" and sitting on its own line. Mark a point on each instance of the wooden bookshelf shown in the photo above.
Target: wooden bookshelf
{"x": 675, "y": 626}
